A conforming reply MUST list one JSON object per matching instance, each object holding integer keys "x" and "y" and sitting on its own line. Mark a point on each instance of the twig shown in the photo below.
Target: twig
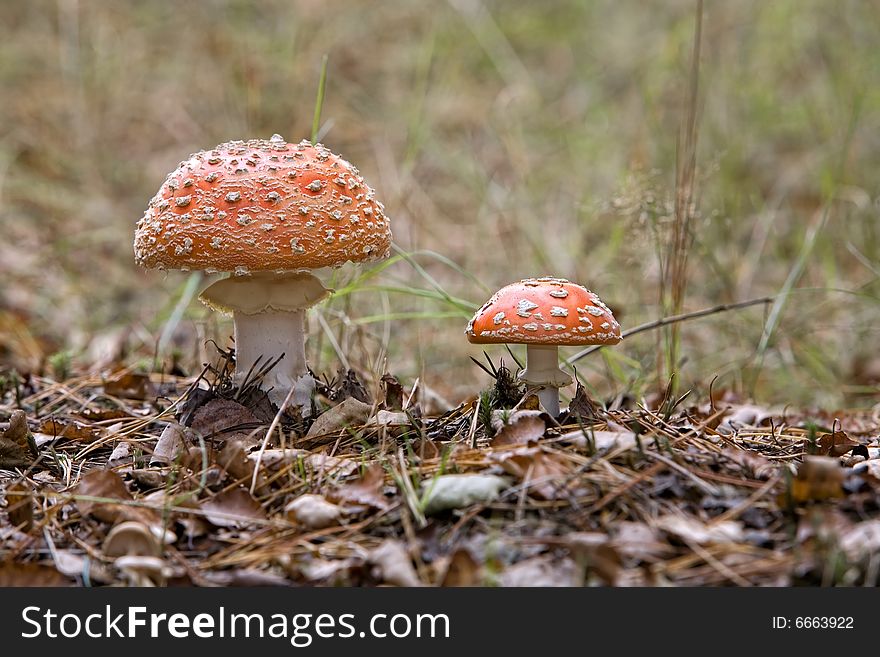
{"x": 275, "y": 421}
{"x": 674, "y": 319}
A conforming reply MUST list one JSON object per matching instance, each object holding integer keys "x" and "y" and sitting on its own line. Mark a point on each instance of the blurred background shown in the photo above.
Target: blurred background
{"x": 506, "y": 139}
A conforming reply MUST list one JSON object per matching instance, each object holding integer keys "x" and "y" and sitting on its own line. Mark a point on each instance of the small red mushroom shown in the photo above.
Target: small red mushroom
{"x": 544, "y": 314}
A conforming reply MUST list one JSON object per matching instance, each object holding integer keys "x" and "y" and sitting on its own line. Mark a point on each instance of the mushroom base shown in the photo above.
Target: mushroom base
{"x": 542, "y": 370}
{"x": 264, "y": 337}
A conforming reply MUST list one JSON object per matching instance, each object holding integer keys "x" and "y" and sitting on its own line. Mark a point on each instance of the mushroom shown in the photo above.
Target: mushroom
{"x": 264, "y": 210}
{"x": 544, "y": 314}
{"x": 136, "y": 553}
{"x": 131, "y": 538}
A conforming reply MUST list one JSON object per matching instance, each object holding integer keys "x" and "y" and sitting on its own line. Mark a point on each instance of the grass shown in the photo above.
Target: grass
{"x": 505, "y": 143}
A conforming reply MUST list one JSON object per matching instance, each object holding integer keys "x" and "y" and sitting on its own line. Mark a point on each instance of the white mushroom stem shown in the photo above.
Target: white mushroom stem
{"x": 542, "y": 371}
{"x": 263, "y": 337}
{"x": 268, "y": 310}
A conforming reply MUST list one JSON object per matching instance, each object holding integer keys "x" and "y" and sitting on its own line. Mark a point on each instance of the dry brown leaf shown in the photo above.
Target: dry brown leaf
{"x": 692, "y": 530}
{"x": 20, "y": 505}
{"x": 395, "y": 423}
{"x": 604, "y": 440}
{"x": 581, "y": 406}
{"x": 365, "y": 492}
{"x": 543, "y": 570}
{"x": 462, "y": 570}
{"x": 839, "y": 443}
{"x": 170, "y": 444}
{"x": 70, "y": 429}
{"x": 862, "y": 540}
{"x": 349, "y": 413}
{"x": 120, "y": 454}
{"x": 14, "y": 573}
{"x": 235, "y": 507}
{"x": 130, "y": 385}
{"x": 72, "y": 564}
{"x": 313, "y": 511}
{"x": 337, "y": 466}
{"x": 750, "y": 462}
{"x": 458, "y": 491}
{"x": 234, "y": 459}
{"x": 519, "y": 427}
{"x": 638, "y": 541}
{"x": 223, "y": 419}
{"x": 738, "y": 416}
{"x": 17, "y": 432}
{"x": 12, "y": 456}
{"x": 818, "y": 478}
{"x": 594, "y": 551}
{"x": 392, "y": 564}
{"x": 542, "y": 472}
{"x": 101, "y": 484}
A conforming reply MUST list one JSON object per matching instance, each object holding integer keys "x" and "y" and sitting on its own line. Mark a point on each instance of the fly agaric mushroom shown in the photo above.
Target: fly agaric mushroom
{"x": 264, "y": 210}
{"x": 544, "y": 314}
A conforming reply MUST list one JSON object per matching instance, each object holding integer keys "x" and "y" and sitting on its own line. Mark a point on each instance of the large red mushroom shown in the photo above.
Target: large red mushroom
{"x": 267, "y": 212}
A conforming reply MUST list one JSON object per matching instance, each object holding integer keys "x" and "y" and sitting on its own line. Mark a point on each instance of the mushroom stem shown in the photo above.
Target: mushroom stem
{"x": 542, "y": 370}
{"x": 266, "y": 336}
{"x": 268, "y": 310}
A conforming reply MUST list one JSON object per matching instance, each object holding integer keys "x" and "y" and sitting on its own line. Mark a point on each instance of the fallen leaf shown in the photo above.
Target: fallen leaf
{"x": 70, "y": 429}
{"x": 17, "y": 432}
{"x": 76, "y": 565}
{"x": 100, "y": 483}
{"x": 14, "y": 573}
{"x": 392, "y": 564}
{"x": 396, "y": 423}
{"x": 20, "y": 505}
{"x": 149, "y": 477}
{"x": 170, "y": 444}
{"x": 462, "y": 570}
{"x": 12, "y": 456}
{"x": 593, "y": 551}
{"x": 330, "y": 572}
{"x": 750, "y": 462}
{"x": 235, "y": 507}
{"x": 638, "y": 541}
{"x": 862, "y": 540}
{"x": 349, "y": 413}
{"x": 542, "y": 472}
{"x": 234, "y": 459}
{"x": 601, "y": 440}
{"x": 839, "y": 443}
{"x": 223, "y": 419}
{"x": 393, "y": 392}
{"x": 457, "y": 491}
{"x": 130, "y": 385}
{"x": 692, "y": 530}
{"x": 519, "y": 427}
{"x": 120, "y": 454}
{"x": 543, "y": 571}
{"x": 737, "y": 417}
{"x": 581, "y": 406}
{"x": 818, "y": 478}
{"x": 366, "y": 491}
{"x": 313, "y": 511}
{"x": 351, "y": 386}
{"x": 338, "y": 466}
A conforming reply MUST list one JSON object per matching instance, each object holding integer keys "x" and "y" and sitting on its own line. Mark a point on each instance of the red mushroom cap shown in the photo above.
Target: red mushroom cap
{"x": 262, "y": 205}
{"x": 548, "y": 311}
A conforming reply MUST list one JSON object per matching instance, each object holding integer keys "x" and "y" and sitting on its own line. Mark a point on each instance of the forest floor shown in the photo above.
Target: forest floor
{"x": 152, "y": 479}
